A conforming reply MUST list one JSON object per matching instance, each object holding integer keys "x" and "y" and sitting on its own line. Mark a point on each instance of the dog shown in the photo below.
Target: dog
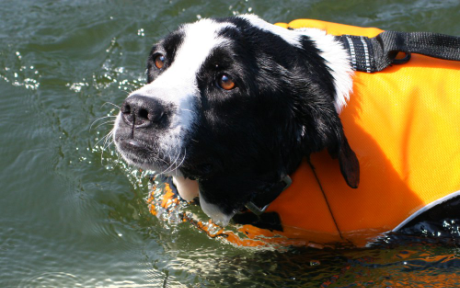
{"x": 234, "y": 105}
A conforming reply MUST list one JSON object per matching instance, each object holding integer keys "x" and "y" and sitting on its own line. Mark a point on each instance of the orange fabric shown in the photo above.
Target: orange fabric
{"x": 332, "y": 28}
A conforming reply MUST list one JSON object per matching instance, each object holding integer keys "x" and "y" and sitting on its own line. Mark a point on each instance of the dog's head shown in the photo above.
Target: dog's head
{"x": 236, "y": 103}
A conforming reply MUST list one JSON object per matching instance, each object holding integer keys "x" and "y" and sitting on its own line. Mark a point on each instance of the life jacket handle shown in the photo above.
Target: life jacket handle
{"x": 375, "y": 54}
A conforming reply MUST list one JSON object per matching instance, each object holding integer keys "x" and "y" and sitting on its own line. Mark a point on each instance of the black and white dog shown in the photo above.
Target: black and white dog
{"x": 233, "y": 105}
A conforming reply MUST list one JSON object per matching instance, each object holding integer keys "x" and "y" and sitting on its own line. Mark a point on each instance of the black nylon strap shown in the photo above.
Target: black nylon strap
{"x": 375, "y": 54}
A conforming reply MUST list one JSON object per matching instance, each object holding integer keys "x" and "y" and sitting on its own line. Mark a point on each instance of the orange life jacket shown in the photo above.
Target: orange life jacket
{"x": 403, "y": 123}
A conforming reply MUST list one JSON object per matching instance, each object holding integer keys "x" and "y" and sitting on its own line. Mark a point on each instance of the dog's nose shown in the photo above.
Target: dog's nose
{"x": 141, "y": 111}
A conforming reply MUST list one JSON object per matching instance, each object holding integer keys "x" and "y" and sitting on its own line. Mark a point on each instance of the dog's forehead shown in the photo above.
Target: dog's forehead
{"x": 289, "y": 36}
{"x": 199, "y": 39}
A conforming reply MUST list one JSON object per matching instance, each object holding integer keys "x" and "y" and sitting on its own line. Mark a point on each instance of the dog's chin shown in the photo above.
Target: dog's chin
{"x": 215, "y": 213}
{"x": 145, "y": 157}
{"x": 133, "y": 159}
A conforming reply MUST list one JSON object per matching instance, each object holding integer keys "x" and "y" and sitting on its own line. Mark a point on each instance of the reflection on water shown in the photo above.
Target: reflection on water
{"x": 74, "y": 214}
{"x": 425, "y": 260}
{"x": 403, "y": 266}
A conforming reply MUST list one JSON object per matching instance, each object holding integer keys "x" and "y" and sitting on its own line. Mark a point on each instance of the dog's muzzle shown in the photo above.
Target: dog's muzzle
{"x": 143, "y": 112}
{"x": 143, "y": 133}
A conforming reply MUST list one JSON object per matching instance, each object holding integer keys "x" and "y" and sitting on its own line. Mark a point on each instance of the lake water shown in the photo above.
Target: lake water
{"x": 72, "y": 214}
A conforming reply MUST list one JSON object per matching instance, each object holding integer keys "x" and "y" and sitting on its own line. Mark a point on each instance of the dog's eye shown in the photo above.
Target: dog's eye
{"x": 226, "y": 82}
{"x": 159, "y": 61}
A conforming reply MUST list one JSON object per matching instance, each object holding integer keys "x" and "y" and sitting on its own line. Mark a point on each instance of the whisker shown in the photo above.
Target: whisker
{"x": 175, "y": 163}
{"x": 110, "y": 121}
{"x": 182, "y": 161}
{"x": 185, "y": 109}
{"x": 100, "y": 118}
{"x": 105, "y": 139}
{"x": 164, "y": 171}
{"x": 158, "y": 159}
{"x": 108, "y": 140}
{"x": 114, "y": 105}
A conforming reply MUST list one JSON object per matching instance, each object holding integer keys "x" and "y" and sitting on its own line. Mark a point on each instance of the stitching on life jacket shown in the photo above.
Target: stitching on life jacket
{"x": 366, "y": 54}
{"x": 352, "y": 52}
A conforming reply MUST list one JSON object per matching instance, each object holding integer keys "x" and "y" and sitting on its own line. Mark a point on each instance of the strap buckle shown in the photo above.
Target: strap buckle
{"x": 274, "y": 193}
{"x": 254, "y": 209}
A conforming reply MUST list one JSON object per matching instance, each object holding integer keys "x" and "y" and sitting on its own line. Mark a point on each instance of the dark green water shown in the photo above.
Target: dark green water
{"x": 72, "y": 214}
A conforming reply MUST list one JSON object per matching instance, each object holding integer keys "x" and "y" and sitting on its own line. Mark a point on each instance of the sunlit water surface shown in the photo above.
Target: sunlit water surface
{"x": 73, "y": 214}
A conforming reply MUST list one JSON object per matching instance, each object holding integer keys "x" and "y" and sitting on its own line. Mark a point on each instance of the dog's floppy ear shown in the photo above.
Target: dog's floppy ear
{"x": 322, "y": 129}
{"x": 349, "y": 165}
{"x": 338, "y": 147}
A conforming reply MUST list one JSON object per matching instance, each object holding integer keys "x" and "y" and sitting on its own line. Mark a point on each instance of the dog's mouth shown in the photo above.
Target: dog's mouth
{"x": 149, "y": 155}
{"x": 135, "y": 150}
{"x": 146, "y": 153}
{"x": 134, "y": 146}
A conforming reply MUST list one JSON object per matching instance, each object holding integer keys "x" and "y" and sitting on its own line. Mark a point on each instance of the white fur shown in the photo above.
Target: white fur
{"x": 188, "y": 189}
{"x": 287, "y": 35}
{"x": 338, "y": 60}
{"x": 332, "y": 51}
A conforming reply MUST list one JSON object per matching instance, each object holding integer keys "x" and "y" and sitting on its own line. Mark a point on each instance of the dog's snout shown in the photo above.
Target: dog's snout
{"x": 141, "y": 111}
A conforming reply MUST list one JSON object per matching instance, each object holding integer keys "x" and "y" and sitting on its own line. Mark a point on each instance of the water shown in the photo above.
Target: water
{"x": 72, "y": 214}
